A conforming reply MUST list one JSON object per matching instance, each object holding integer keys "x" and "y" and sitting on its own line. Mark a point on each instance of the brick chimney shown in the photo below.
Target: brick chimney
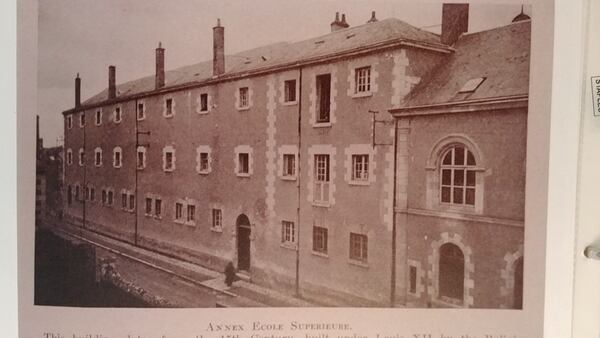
{"x": 338, "y": 24}
{"x": 218, "y": 49}
{"x": 455, "y": 21}
{"x": 160, "y": 67}
{"x": 373, "y": 18}
{"x": 77, "y": 91}
{"x": 112, "y": 86}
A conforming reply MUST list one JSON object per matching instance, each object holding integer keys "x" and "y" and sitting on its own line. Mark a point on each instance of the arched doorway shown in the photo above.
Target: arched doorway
{"x": 518, "y": 288}
{"x": 452, "y": 272}
{"x": 243, "y": 242}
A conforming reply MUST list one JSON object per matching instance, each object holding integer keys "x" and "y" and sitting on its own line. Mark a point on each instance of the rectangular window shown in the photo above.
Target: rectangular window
{"x": 81, "y": 157}
{"x": 323, "y": 97}
{"x": 92, "y": 194}
{"x": 244, "y": 100}
{"x": 110, "y": 197}
{"x": 360, "y": 167}
{"x": 69, "y": 157}
{"x": 131, "y": 202}
{"x": 178, "y": 211}
{"x": 203, "y": 161}
{"x": 358, "y": 247}
{"x": 320, "y": 239}
{"x": 191, "y": 213}
{"x": 157, "y": 207}
{"x": 98, "y": 158}
{"x": 69, "y": 122}
{"x": 217, "y": 218}
{"x": 77, "y": 193}
{"x": 118, "y": 114}
{"x": 288, "y": 232}
{"x": 321, "y": 193}
{"x": 289, "y": 90}
{"x": 289, "y": 165}
{"x": 141, "y": 159}
{"x": 124, "y": 200}
{"x": 168, "y": 160}
{"x": 363, "y": 80}
{"x": 169, "y": 107}
{"x": 103, "y": 196}
{"x": 98, "y": 117}
{"x": 243, "y": 163}
{"x": 86, "y": 193}
{"x": 82, "y": 119}
{"x": 69, "y": 195}
{"x": 412, "y": 279}
{"x": 203, "y": 102}
{"x": 141, "y": 111}
{"x": 148, "y": 206}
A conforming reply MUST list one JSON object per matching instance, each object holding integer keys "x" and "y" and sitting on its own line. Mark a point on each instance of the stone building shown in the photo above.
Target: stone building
{"x": 286, "y": 161}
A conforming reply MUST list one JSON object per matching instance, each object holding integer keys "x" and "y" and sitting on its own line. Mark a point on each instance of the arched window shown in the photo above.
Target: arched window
{"x": 452, "y": 272}
{"x": 458, "y": 176}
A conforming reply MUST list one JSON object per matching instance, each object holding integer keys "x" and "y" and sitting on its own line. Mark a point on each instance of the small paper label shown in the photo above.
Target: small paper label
{"x": 596, "y": 94}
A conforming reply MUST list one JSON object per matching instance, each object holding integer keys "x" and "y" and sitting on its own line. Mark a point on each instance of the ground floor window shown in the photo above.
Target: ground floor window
{"x": 288, "y": 232}
{"x": 320, "y": 239}
{"x": 217, "y": 219}
{"x": 178, "y": 211}
{"x": 358, "y": 247}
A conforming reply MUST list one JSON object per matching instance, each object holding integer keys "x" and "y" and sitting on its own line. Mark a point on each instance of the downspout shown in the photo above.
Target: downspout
{"x": 298, "y": 185}
{"x": 135, "y": 189}
{"x": 394, "y": 231}
{"x": 85, "y": 161}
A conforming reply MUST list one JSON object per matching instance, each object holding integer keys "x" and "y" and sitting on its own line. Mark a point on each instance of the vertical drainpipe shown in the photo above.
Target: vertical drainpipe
{"x": 135, "y": 189}
{"x": 394, "y": 230}
{"x": 298, "y": 181}
{"x": 85, "y": 161}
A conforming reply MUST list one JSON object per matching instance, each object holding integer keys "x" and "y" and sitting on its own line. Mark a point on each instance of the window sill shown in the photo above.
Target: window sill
{"x": 141, "y": 119}
{"x": 288, "y": 246}
{"x": 243, "y": 108}
{"x": 319, "y": 254}
{"x": 116, "y": 166}
{"x": 97, "y": 165}
{"x": 288, "y": 178}
{"x": 217, "y": 230}
{"x": 290, "y": 103}
{"x": 168, "y": 116}
{"x": 243, "y": 175}
{"x": 117, "y": 122}
{"x": 321, "y": 204}
{"x": 178, "y": 221}
{"x": 362, "y": 94}
{"x": 202, "y": 112}
{"x": 204, "y": 172}
{"x": 98, "y": 125}
{"x": 158, "y": 218}
{"x": 360, "y": 183}
{"x": 362, "y": 264}
{"x": 140, "y": 168}
{"x": 168, "y": 170}
{"x": 190, "y": 223}
{"x": 322, "y": 125}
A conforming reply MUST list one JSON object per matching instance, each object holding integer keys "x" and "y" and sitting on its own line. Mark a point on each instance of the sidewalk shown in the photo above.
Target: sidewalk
{"x": 240, "y": 294}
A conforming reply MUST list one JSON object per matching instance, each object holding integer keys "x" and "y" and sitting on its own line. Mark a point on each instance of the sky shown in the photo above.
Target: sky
{"x": 86, "y": 36}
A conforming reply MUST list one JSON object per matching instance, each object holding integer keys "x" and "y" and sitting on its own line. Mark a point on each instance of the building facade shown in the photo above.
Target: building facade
{"x": 286, "y": 161}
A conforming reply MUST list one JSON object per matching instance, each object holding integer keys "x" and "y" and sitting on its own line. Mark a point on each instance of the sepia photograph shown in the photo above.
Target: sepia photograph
{"x": 198, "y": 154}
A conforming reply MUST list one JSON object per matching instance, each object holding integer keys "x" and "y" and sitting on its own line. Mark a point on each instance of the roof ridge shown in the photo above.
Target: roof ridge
{"x": 497, "y": 28}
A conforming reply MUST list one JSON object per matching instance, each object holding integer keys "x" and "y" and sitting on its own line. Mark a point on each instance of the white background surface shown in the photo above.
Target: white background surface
{"x": 562, "y": 174}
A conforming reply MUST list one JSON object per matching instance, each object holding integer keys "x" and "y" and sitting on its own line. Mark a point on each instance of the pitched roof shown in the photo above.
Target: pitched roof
{"x": 345, "y": 40}
{"x": 500, "y": 55}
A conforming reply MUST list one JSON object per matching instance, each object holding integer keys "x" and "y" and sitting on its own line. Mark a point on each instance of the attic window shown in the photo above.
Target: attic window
{"x": 472, "y": 85}
{"x": 351, "y": 35}
{"x": 319, "y": 42}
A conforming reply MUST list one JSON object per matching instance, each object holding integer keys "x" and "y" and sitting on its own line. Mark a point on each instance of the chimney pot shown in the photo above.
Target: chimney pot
{"x": 218, "y": 49}
{"x": 77, "y": 91}
{"x": 159, "y": 78}
{"x": 337, "y": 24}
{"x": 455, "y": 21}
{"x": 112, "y": 88}
{"x": 373, "y": 18}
